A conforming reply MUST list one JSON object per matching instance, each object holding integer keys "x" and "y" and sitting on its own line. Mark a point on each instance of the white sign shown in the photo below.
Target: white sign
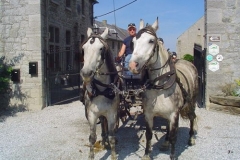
{"x": 214, "y": 38}
{"x": 213, "y": 49}
{"x": 219, "y": 57}
{"x": 213, "y": 66}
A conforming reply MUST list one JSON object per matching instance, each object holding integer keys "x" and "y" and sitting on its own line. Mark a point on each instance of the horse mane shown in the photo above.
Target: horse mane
{"x": 110, "y": 63}
{"x": 147, "y": 28}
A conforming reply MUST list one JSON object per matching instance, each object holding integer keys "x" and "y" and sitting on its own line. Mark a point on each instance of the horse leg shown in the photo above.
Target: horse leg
{"x": 148, "y": 134}
{"x": 111, "y": 135}
{"x": 166, "y": 144}
{"x": 92, "y": 137}
{"x": 104, "y": 128}
{"x": 173, "y": 134}
{"x": 192, "y": 117}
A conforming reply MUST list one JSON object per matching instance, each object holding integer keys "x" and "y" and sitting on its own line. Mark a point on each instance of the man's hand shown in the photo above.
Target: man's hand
{"x": 118, "y": 59}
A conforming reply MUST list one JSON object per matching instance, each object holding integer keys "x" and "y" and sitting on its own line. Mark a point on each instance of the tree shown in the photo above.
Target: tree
{"x": 188, "y": 57}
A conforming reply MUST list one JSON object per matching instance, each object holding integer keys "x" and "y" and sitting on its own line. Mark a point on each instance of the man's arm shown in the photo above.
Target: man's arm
{"x": 122, "y": 51}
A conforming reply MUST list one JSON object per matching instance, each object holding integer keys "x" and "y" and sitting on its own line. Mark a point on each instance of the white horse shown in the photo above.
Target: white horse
{"x": 169, "y": 91}
{"x": 101, "y": 101}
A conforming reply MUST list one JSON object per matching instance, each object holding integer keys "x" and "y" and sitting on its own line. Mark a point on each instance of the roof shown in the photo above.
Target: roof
{"x": 115, "y": 33}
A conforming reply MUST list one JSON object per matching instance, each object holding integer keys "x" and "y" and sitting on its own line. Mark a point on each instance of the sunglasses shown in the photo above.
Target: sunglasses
{"x": 132, "y": 29}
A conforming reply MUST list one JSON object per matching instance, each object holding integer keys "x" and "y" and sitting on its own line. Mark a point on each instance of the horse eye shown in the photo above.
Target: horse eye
{"x": 151, "y": 41}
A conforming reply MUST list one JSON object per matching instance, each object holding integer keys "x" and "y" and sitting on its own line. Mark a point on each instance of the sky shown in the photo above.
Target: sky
{"x": 175, "y": 16}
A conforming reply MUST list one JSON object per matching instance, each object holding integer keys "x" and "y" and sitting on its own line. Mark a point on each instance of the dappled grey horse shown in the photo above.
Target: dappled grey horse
{"x": 101, "y": 101}
{"x": 171, "y": 89}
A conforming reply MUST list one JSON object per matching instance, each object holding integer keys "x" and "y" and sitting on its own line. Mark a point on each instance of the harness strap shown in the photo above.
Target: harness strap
{"x": 171, "y": 76}
{"x": 108, "y": 92}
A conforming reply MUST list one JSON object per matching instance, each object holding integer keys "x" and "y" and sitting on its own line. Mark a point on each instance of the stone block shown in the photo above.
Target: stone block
{"x": 34, "y": 43}
{"x": 225, "y": 100}
{"x": 214, "y": 16}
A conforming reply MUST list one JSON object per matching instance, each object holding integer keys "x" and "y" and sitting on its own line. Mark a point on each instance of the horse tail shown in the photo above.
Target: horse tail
{"x": 188, "y": 111}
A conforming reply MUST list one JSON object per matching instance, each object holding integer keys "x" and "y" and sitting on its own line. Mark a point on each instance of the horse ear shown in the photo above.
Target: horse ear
{"x": 89, "y": 32}
{"x": 105, "y": 33}
{"x": 155, "y": 25}
{"x": 141, "y": 24}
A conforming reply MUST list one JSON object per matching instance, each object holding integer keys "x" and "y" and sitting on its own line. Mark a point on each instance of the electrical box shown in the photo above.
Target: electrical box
{"x": 33, "y": 68}
{"x": 15, "y": 75}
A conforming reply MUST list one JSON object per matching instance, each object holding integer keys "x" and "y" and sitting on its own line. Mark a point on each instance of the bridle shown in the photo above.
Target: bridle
{"x": 151, "y": 31}
{"x": 170, "y": 75}
{"x": 103, "y": 52}
{"x": 108, "y": 92}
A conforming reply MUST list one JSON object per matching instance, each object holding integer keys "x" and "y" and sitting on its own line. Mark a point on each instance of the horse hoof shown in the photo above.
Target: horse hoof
{"x": 146, "y": 157}
{"x": 165, "y": 146}
{"x": 113, "y": 157}
{"x": 172, "y": 157}
{"x": 191, "y": 142}
{"x": 90, "y": 157}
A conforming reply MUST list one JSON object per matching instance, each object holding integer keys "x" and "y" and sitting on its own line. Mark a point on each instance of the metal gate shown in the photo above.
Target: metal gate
{"x": 63, "y": 77}
{"x": 199, "y": 62}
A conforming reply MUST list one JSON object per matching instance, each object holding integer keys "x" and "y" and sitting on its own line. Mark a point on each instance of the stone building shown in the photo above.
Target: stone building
{"x": 115, "y": 37}
{"x": 220, "y": 47}
{"x": 222, "y": 41}
{"x": 194, "y": 35}
{"x": 40, "y": 39}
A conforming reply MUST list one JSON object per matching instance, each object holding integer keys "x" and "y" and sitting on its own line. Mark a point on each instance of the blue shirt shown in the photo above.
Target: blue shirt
{"x": 127, "y": 41}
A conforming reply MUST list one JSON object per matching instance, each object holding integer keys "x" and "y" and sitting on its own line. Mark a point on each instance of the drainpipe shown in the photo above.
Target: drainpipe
{"x": 46, "y": 81}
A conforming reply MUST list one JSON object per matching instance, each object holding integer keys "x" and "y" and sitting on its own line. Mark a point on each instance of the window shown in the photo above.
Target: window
{"x": 54, "y": 34}
{"x": 83, "y": 5}
{"x": 57, "y": 2}
{"x": 54, "y": 58}
{"x": 68, "y": 3}
{"x": 112, "y": 44}
{"x": 119, "y": 45}
{"x": 68, "y": 57}
{"x": 68, "y": 37}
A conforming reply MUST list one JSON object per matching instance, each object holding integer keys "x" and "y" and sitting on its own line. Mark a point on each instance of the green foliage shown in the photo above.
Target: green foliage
{"x": 5, "y": 73}
{"x": 237, "y": 81}
{"x": 232, "y": 89}
{"x": 188, "y": 57}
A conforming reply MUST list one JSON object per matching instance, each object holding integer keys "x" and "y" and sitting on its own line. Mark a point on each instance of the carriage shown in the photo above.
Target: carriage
{"x": 158, "y": 85}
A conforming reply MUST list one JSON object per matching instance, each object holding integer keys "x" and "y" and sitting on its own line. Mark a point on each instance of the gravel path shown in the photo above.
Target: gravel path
{"x": 61, "y": 132}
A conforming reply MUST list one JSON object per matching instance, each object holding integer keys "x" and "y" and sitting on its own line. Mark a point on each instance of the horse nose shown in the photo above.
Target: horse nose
{"x": 86, "y": 73}
{"x": 133, "y": 65}
{"x": 136, "y": 64}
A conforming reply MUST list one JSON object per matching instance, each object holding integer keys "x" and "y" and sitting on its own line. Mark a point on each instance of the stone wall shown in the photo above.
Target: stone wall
{"x": 222, "y": 25}
{"x": 20, "y": 44}
{"x": 195, "y": 34}
{"x": 25, "y": 37}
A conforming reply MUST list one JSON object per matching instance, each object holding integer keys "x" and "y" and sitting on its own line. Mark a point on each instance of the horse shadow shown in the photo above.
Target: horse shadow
{"x": 180, "y": 146}
{"x": 132, "y": 133}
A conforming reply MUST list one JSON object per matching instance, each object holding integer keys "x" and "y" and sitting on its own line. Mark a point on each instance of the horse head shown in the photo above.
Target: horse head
{"x": 94, "y": 54}
{"x": 144, "y": 47}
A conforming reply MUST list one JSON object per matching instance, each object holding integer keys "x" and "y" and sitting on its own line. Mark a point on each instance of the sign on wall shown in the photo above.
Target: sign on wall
{"x": 219, "y": 57}
{"x": 214, "y": 38}
{"x": 213, "y": 49}
{"x": 209, "y": 57}
{"x": 213, "y": 65}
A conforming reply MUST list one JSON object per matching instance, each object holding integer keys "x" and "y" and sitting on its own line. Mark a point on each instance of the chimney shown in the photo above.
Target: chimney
{"x": 104, "y": 23}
